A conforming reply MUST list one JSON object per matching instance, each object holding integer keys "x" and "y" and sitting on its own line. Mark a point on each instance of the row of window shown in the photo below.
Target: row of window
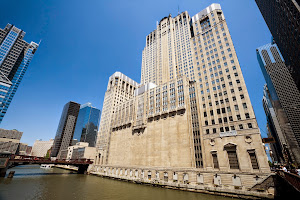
{"x": 226, "y": 129}
{"x": 233, "y": 159}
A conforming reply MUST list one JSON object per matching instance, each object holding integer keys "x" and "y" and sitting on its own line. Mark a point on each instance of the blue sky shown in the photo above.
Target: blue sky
{"x": 84, "y": 42}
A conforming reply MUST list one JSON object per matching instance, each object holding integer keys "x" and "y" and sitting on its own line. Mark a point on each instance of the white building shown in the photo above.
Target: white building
{"x": 81, "y": 150}
{"x": 40, "y": 147}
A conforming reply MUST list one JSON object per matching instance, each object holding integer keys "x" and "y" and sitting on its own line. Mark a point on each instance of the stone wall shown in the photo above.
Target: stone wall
{"x": 166, "y": 141}
{"x": 221, "y": 183}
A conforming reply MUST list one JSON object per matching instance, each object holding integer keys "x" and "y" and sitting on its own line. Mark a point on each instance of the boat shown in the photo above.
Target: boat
{"x": 45, "y": 166}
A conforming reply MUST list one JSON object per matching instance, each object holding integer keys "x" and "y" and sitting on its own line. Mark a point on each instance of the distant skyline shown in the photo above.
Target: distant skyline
{"x": 82, "y": 44}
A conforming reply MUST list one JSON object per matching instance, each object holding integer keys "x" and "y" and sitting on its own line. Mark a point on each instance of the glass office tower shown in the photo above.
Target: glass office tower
{"x": 66, "y": 128}
{"x": 284, "y": 96}
{"x": 87, "y": 124}
{"x": 15, "y": 56}
{"x": 283, "y": 20}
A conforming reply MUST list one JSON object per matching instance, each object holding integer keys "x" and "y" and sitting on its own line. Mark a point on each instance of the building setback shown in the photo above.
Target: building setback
{"x": 86, "y": 129}
{"x": 283, "y": 20}
{"x": 120, "y": 88}
{"x": 66, "y": 127}
{"x": 190, "y": 120}
{"x": 285, "y": 98}
{"x": 15, "y": 56}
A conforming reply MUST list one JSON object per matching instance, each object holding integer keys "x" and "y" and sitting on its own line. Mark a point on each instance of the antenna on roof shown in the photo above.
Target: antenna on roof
{"x": 178, "y": 9}
{"x": 40, "y": 42}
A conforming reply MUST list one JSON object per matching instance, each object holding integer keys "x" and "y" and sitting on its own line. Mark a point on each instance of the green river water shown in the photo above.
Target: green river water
{"x": 32, "y": 182}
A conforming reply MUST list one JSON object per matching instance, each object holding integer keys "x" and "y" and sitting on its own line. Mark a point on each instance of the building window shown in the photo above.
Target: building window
{"x": 232, "y": 156}
{"x": 228, "y": 109}
{"x": 253, "y": 159}
{"x": 247, "y": 115}
{"x": 241, "y": 126}
{"x": 215, "y": 160}
{"x": 236, "y": 107}
{"x": 249, "y": 125}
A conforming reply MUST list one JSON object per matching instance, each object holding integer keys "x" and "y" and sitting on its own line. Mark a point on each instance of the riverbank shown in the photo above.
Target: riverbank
{"x": 198, "y": 188}
{"x": 189, "y": 181}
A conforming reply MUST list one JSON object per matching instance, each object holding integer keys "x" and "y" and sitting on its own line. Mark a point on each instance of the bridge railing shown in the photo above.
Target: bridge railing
{"x": 293, "y": 179}
{"x": 34, "y": 159}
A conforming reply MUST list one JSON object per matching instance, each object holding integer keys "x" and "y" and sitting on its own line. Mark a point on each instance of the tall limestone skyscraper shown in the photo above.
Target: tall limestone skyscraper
{"x": 120, "y": 88}
{"x": 168, "y": 51}
{"x": 190, "y": 120}
{"x": 201, "y": 48}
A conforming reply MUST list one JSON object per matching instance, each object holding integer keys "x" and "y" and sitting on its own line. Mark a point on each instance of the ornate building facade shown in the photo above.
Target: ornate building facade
{"x": 190, "y": 121}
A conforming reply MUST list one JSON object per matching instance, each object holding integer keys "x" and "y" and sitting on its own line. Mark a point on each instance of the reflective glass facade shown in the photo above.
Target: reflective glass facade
{"x": 7, "y": 44}
{"x": 66, "y": 127}
{"x": 284, "y": 96}
{"x": 87, "y": 124}
{"x": 283, "y": 20}
{"x": 15, "y": 57}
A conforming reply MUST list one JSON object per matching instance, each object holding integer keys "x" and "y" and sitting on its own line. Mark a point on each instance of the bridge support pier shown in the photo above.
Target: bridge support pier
{"x": 3, "y": 171}
{"x": 3, "y": 166}
{"x": 82, "y": 169}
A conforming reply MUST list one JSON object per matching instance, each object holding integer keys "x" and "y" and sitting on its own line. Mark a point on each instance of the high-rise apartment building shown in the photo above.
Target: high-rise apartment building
{"x": 87, "y": 124}
{"x": 15, "y": 56}
{"x": 120, "y": 88}
{"x": 284, "y": 95}
{"x": 66, "y": 128}
{"x": 283, "y": 20}
{"x": 190, "y": 120}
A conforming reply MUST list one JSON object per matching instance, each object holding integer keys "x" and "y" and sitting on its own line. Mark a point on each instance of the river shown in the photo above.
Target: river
{"x": 32, "y": 182}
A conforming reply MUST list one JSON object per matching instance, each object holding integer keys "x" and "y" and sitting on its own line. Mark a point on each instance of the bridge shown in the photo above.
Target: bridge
{"x": 6, "y": 160}
{"x": 286, "y": 185}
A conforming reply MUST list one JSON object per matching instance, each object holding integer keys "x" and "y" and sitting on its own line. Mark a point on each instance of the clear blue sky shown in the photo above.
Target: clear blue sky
{"x": 84, "y": 42}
